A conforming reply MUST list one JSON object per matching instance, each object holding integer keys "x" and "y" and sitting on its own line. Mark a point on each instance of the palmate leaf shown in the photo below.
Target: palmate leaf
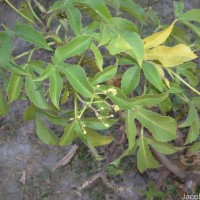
{"x": 130, "y": 79}
{"x": 78, "y": 79}
{"x": 163, "y": 128}
{"x": 29, "y": 34}
{"x": 46, "y": 135}
{"x": 76, "y": 46}
{"x": 145, "y": 159}
{"x": 158, "y": 38}
{"x": 171, "y": 56}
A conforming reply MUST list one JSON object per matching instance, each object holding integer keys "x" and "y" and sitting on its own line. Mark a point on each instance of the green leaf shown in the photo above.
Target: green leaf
{"x": 121, "y": 24}
{"x": 127, "y": 40}
{"x": 46, "y": 135}
{"x": 55, "y": 88}
{"x": 146, "y": 100}
{"x": 78, "y": 79}
{"x": 130, "y": 79}
{"x": 193, "y": 27}
{"x": 152, "y": 75}
{"x": 154, "y": 18}
{"x": 5, "y": 47}
{"x": 74, "y": 17}
{"x": 193, "y": 133}
{"x": 181, "y": 36}
{"x": 163, "y": 128}
{"x": 30, "y": 112}
{"x": 131, "y": 130}
{"x": 55, "y": 119}
{"x": 46, "y": 73}
{"x": 163, "y": 148}
{"x": 68, "y": 135}
{"x": 193, "y": 80}
{"x": 165, "y": 106}
{"x": 98, "y": 56}
{"x": 191, "y": 117}
{"x": 4, "y": 106}
{"x": 145, "y": 159}
{"x": 101, "y": 9}
{"x": 82, "y": 134}
{"x": 29, "y": 34}
{"x": 191, "y": 15}
{"x": 114, "y": 4}
{"x": 96, "y": 124}
{"x": 56, "y": 6}
{"x": 133, "y": 9}
{"x": 105, "y": 34}
{"x": 16, "y": 69}
{"x": 178, "y": 8}
{"x": 195, "y": 147}
{"x": 108, "y": 73}
{"x": 34, "y": 91}
{"x": 96, "y": 139}
{"x": 14, "y": 87}
{"x": 76, "y": 46}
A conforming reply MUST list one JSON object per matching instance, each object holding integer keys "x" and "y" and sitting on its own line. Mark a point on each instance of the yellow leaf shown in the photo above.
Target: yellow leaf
{"x": 158, "y": 38}
{"x": 171, "y": 56}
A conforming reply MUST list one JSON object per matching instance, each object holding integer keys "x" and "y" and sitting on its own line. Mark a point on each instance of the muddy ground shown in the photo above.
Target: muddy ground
{"x": 27, "y": 166}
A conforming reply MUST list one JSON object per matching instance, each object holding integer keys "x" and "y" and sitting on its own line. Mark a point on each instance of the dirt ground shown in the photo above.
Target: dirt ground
{"x": 27, "y": 166}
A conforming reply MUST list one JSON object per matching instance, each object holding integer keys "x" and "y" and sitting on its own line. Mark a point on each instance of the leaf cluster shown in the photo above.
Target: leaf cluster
{"x": 151, "y": 79}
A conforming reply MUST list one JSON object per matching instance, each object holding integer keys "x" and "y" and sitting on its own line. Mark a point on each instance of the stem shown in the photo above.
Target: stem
{"x": 33, "y": 12}
{"x": 188, "y": 85}
{"x": 75, "y": 106}
{"x": 16, "y": 10}
{"x": 27, "y": 52}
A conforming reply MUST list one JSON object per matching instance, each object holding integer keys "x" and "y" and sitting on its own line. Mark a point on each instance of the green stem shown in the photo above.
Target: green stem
{"x": 75, "y": 106}
{"x": 28, "y": 52}
{"x": 33, "y": 12}
{"x": 184, "y": 82}
{"x": 16, "y": 10}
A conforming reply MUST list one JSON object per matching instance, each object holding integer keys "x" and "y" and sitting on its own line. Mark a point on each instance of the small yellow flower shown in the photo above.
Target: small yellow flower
{"x": 106, "y": 125}
{"x": 116, "y": 108}
{"x": 113, "y": 91}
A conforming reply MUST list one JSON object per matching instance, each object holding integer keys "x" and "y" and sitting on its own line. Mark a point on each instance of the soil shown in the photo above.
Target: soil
{"x": 27, "y": 165}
